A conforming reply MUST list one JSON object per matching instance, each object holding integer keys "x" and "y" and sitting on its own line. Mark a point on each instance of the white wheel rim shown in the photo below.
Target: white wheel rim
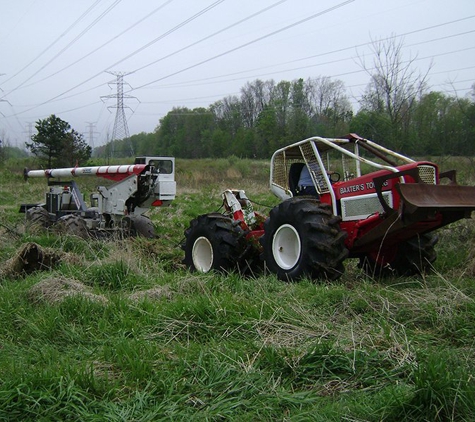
{"x": 202, "y": 254}
{"x": 286, "y": 247}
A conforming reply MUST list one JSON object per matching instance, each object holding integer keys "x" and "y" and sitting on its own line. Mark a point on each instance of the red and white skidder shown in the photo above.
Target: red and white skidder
{"x": 373, "y": 204}
{"x": 116, "y": 209}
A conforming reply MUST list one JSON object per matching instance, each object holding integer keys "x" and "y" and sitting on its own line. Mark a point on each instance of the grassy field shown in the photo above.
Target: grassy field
{"x": 121, "y": 331}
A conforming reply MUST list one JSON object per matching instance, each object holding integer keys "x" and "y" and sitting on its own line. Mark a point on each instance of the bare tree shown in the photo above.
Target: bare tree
{"x": 281, "y": 102}
{"x": 395, "y": 84}
{"x": 255, "y": 96}
{"x": 471, "y": 94}
{"x": 228, "y": 113}
{"x": 328, "y": 102}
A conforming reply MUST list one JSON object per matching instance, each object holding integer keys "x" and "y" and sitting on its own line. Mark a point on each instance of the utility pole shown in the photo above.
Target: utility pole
{"x": 120, "y": 130}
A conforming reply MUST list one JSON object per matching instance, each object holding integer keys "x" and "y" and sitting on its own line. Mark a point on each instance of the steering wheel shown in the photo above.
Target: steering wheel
{"x": 334, "y": 176}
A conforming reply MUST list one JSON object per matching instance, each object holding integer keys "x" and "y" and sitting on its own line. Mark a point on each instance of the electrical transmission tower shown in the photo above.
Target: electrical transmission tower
{"x": 120, "y": 130}
{"x": 1, "y": 99}
{"x": 28, "y": 132}
{"x": 91, "y": 133}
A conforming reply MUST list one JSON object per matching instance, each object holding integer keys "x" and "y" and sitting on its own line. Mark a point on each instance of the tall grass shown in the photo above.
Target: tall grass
{"x": 120, "y": 330}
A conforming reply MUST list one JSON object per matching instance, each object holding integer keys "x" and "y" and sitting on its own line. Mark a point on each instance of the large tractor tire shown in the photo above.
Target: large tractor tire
{"x": 302, "y": 238}
{"x": 138, "y": 225}
{"x": 213, "y": 242}
{"x": 413, "y": 257}
{"x": 37, "y": 219}
{"x": 144, "y": 227}
{"x": 74, "y": 225}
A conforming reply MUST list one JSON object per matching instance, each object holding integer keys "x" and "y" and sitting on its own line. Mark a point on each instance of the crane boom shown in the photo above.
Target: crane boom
{"x": 116, "y": 172}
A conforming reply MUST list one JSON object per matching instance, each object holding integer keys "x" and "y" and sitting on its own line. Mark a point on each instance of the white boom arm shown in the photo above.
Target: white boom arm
{"x": 117, "y": 172}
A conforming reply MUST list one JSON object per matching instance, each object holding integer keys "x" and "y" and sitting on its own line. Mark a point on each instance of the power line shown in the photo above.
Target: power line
{"x": 201, "y": 12}
{"x": 25, "y": 11}
{"x": 210, "y": 80}
{"x": 244, "y": 45}
{"x": 91, "y": 25}
{"x": 251, "y": 42}
{"x": 168, "y": 56}
{"x": 104, "y": 44}
{"x": 213, "y": 34}
{"x": 427, "y": 28}
{"x": 51, "y": 45}
{"x": 213, "y": 78}
{"x": 419, "y": 30}
{"x": 206, "y": 9}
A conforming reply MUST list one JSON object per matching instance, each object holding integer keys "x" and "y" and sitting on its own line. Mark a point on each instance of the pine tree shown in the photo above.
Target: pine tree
{"x": 56, "y": 144}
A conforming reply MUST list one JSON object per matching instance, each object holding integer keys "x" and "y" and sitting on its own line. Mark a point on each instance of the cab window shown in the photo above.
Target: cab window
{"x": 163, "y": 166}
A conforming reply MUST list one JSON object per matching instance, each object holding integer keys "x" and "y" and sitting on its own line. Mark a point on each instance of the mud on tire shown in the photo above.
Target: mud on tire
{"x": 138, "y": 225}
{"x": 72, "y": 224}
{"x": 37, "y": 219}
{"x": 213, "y": 242}
{"x": 302, "y": 238}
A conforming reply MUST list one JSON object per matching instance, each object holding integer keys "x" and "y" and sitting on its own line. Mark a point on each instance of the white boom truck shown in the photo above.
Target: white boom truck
{"x": 119, "y": 208}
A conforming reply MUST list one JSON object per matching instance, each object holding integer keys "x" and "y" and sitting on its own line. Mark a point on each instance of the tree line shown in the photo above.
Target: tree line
{"x": 267, "y": 116}
{"x": 397, "y": 110}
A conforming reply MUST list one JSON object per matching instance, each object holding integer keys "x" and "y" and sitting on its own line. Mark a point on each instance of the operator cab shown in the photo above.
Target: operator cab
{"x": 164, "y": 166}
{"x": 349, "y": 156}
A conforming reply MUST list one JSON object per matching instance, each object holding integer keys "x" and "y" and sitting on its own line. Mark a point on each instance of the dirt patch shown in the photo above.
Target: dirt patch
{"x": 31, "y": 257}
{"x": 157, "y": 293}
{"x": 55, "y": 290}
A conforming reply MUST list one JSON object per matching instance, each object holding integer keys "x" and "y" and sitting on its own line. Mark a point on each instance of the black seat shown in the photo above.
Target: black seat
{"x": 294, "y": 176}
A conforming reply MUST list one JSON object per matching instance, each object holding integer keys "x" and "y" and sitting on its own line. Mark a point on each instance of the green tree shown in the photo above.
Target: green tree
{"x": 56, "y": 144}
{"x": 172, "y": 132}
{"x": 228, "y": 115}
{"x": 443, "y": 124}
{"x": 267, "y": 135}
{"x": 299, "y": 121}
{"x": 180, "y": 132}
{"x": 281, "y": 102}
{"x": 2, "y": 152}
{"x": 372, "y": 125}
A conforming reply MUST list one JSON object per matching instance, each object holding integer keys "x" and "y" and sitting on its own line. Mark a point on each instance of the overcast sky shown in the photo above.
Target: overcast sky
{"x": 55, "y": 55}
